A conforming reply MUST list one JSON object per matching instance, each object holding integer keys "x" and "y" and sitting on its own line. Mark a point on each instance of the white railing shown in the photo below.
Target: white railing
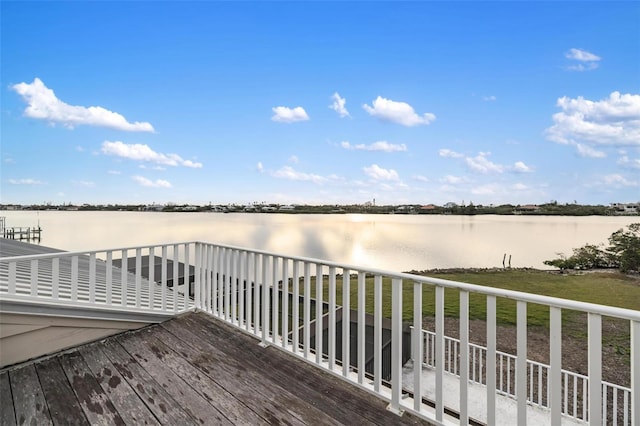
{"x": 574, "y": 385}
{"x": 277, "y": 298}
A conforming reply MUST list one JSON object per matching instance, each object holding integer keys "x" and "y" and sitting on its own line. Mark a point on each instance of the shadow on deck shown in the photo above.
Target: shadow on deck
{"x": 194, "y": 369}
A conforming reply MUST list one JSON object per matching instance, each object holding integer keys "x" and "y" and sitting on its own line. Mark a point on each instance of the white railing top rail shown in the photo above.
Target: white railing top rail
{"x": 627, "y": 314}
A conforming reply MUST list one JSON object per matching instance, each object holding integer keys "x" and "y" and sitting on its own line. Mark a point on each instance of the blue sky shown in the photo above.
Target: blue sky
{"x": 320, "y": 102}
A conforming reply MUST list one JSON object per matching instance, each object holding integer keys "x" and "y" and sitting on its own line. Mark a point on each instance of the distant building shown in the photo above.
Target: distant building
{"x": 626, "y": 208}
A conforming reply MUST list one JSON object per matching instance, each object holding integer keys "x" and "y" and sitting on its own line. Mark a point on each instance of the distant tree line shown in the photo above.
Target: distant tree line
{"x": 623, "y": 253}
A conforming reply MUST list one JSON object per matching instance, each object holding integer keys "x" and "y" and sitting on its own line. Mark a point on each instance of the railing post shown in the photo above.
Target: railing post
{"x": 396, "y": 346}
{"x": 163, "y": 273}
{"x": 92, "y": 278}
{"x": 491, "y": 360}
{"x": 138, "y": 276}
{"x": 176, "y": 279}
{"x": 361, "y": 326}
{"x": 554, "y": 391}
{"x": 307, "y": 310}
{"x": 124, "y": 278}
{"x": 285, "y": 302}
{"x": 635, "y": 372}
{"x": 319, "y": 313}
{"x": 55, "y": 279}
{"x": 74, "y": 278}
{"x": 595, "y": 369}
{"x": 416, "y": 346}
{"x": 521, "y": 363}
{"x": 295, "y": 302}
{"x": 377, "y": 333}
{"x": 152, "y": 277}
{"x": 346, "y": 321}
{"x": 197, "y": 297}
{"x": 332, "y": 317}
{"x": 464, "y": 357}
{"x": 265, "y": 301}
{"x": 439, "y": 353}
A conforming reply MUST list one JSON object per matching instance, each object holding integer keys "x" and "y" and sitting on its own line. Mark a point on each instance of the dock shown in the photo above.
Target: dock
{"x": 19, "y": 232}
{"x": 193, "y": 369}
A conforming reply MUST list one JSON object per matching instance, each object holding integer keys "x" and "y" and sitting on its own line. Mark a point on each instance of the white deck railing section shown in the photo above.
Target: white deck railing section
{"x": 255, "y": 291}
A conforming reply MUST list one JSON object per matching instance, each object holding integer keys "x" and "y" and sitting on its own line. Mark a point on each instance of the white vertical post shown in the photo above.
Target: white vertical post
{"x": 235, "y": 278}
{"x": 152, "y": 277}
{"x": 319, "y": 312}
{"x": 265, "y": 300}
{"x": 439, "y": 353}
{"x": 92, "y": 278}
{"x": 346, "y": 321}
{"x": 295, "y": 304}
{"x": 228, "y": 272}
{"x": 55, "y": 279}
{"x": 416, "y": 346}
{"x": 491, "y": 360}
{"x": 332, "y": 317}
{"x": 595, "y": 369}
{"x": 74, "y": 278}
{"x": 635, "y": 372}
{"x": 464, "y": 357}
{"x": 521, "y": 362}
{"x": 197, "y": 275}
{"x": 285, "y": 302}
{"x": 307, "y": 309}
{"x": 275, "y": 297}
{"x": 361, "y": 326}
{"x": 242, "y": 289}
{"x": 396, "y": 345}
{"x": 220, "y": 277}
{"x": 248, "y": 310}
{"x": 187, "y": 275}
{"x": 34, "y": 277}
{"x": 554, "y": 398}
{"x": 138, "y": 276}
{"x": 176, "y": 279}
{"x": 377, "y": 332}
{"x": 256, "y": 294}
{"x": 163, "y": 281}
{"x": 124, "y": 277}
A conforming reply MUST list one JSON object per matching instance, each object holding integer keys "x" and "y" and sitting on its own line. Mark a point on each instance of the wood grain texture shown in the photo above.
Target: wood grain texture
{"x": 28, "y": 398}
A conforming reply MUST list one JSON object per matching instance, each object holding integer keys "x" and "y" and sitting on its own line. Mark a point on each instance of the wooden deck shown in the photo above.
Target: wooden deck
{"x": 193, "y": 369}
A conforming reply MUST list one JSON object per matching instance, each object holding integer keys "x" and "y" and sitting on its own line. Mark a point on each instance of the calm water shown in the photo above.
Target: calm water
{"x": 395, "y": 242}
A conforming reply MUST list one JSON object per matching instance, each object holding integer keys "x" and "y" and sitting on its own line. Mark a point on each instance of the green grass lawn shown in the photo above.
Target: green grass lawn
{"x": 604, "y": 288}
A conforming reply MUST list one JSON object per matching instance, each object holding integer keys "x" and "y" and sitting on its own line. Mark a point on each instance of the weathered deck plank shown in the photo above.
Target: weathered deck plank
{"x": 330, "y": 394}
{"x": 166, "y": 410}
{"x": 195, "y": 404}
{"x": 131, "y": 408}
{"x": 233, "y": 409}
{"x": 95, "y": 403}
{"x": 63, "y": 406}
{"x": 194, "y": 369}
{"x": 7, "y": 413}
{"x": 273, "y": 403}
{"x": 28, "y": 398}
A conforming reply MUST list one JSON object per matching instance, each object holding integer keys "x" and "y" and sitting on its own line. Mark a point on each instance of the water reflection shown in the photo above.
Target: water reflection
{"x": 396, "y": 242}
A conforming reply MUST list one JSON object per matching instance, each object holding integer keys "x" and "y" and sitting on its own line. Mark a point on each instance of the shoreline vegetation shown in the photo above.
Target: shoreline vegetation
{"x": 552, "y": 208}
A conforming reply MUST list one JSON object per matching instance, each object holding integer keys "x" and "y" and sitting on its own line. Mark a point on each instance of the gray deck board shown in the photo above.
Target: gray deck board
{"x": 194, "y": 369}
{"x": 28, "y": 399}
{"x": 7, "y": 413}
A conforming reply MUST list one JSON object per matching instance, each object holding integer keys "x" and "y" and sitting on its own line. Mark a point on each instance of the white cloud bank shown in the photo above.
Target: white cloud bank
{"x": 612, "y": 121}
{"x": 158, "y": 183}
{"x": 141, "y": 152}
{"x": 397, "y": 112}
{"x": 44, "y": 105}
{"x": 587, "y": 60}
{"x": 283, "y": 114}
{"x": 25, "y": 182}
{"x": 378, "y": 173}
{"x": 289, "y": 173}
{"x": 376, "y": 146}
{"x": 481, "y": 164}
{"x": 338, "y": 105}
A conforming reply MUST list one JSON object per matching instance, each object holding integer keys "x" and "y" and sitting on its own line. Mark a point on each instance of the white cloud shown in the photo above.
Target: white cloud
{"x": 376, "y": 146}
{"x": 378, "y": 173}
{"x": 619, "y": 181}
{"x": 338, "y": 105}
{"x": 114, "y": 172}
{"x": 294, "y": 159}
{"x": 587, "y": 61}
{"x": 84, "y": 183}
{"x": 420, "y": 178}
{"x": 613, "y": 121}
{"x": 397, "y": 112}
{"x": 625, "y": 161}
{"x": 290, "y": 173}
{"x": 587, "y": 151}
{"x": 159, "y": 183}
{"x": 142, "y": 152}
{"x": 520, "y": 167}
{"x": 481, "y": 164}
{"x": 489, "y": 98}
{"x": 581, "y": 55}
{"x": 25, "y": 182}
{"x": 289, "y": 115}
{"x": 43, "y": 104}
{"x": 452, "y": 180}
{"x": 260, "y": 167}
{"x": 450, "y": 154}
